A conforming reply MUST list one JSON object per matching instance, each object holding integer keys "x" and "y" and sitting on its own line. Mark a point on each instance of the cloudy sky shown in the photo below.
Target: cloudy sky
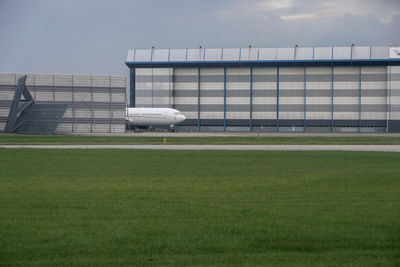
{"x": 92, "y": 37}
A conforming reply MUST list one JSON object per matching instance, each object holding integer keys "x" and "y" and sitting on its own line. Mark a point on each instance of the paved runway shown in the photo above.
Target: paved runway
{"x": 382, "y": 148}
{"x": 243, "y": 134}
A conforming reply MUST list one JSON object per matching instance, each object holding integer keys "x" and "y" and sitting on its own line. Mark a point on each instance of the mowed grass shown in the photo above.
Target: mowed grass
{"x": 132, "y": 207}
{"x": 7, "y": 139}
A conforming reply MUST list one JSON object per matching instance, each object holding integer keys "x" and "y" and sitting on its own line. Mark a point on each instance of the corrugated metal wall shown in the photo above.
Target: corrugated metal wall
{"x": 185, "y": 91}
{"x": 96, "y": 103}
{"x": 352, "y": 98}
{"x": 394, "y": 96}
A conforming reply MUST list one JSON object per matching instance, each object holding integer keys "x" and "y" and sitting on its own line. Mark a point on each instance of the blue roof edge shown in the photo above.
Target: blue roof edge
{"x": 388, "y": 61}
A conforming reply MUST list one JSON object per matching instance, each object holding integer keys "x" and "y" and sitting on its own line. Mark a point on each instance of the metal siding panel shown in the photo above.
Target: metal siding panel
{"x": 101, "y": 80}
{"x": 6, "y": 95}
{"x": 44, "y": 96}
{"x": 63, "y": 80}
{"x": 374, "y": 99}
{"x": 82, "y": 80}
{"x": 320, "y": 83}
{"x": 380, "y": 52}
{"x": 285, "y": 53}
{"x": 231, "y": 54}
{"x": 142, "y": 55}
{"x": 351, "y": 101}
{"x": 118, "y": 82}
{"x": 264, "y": 94}
{"x": 361, "y": 52}
{"x": 8, "y": 78}
{"x": 304, "y": 53}
{"x": 342, "y": 52}
{"x": 296, "y": 74}
{"x": 118, "y": 98}
{"x": 82, "y": 97}
{"x": 249, "y": 54}
{"x": 160, "y": 55}
{"x": 322, "y": 53}
{"x": 101, "y": 114}
{"x": 268, "y": 54}
{"x": 394, "y": 94}
{"x": 63, "y": 96}
{"x": 44, "y": 79}
{"x": 213, "y": 54}
{"x": 82, "y": 128}
{"x": 101, "y": 97}
{"x": 195, "y": 54}
{"x": 83, "y": 113}
{"x": 178, "y": 55}
{"x": 130, "y": 57}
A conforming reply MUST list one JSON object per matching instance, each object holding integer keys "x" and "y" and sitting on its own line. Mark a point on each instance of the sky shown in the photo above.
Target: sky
{"x": 93, "y": 37}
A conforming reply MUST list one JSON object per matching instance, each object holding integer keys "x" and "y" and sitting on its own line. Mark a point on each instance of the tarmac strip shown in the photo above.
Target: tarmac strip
{"x": 377, "y": 148}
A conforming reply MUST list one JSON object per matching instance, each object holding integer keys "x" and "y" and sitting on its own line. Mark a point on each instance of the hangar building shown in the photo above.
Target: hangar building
{"x": 339, "y": 89}
{"x": 64, "y": 104}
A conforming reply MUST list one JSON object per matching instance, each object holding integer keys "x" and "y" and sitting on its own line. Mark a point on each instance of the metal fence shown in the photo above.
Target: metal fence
{"x": 89, "y": 103}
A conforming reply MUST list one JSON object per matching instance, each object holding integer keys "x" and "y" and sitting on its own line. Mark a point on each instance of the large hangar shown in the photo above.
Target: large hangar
{"x": 339, "y": 89}
{"x": 65, "y": 104}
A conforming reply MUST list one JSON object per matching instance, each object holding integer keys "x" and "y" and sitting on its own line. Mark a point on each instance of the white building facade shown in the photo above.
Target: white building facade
{"x": 338, "y": 89}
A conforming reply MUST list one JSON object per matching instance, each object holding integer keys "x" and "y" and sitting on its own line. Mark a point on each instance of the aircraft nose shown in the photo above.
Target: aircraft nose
{"x": 181, "y": 118}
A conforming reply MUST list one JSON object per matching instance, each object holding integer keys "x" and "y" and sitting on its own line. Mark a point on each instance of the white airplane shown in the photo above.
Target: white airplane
{"x": 148, "y": 117}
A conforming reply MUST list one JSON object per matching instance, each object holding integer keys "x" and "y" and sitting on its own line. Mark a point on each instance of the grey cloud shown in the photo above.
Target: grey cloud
{"x": 94, "y": 36}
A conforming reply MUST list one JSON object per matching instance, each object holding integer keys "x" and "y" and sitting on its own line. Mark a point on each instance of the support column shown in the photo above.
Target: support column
{"x": 198, "y": 99}
{"x": 389, "y": 98}
{"x": 332, "y": 84}
{"x": 277, "y": 98}
{"x": 225, "y": 99}
{"x": 132, "y": 89}
{"x": 332, "y": 49}
{"x": 73, "y": 104}
{"x": 110, "y": 113}
{"x": 54, "y": 91}
{"x": 251, "y": 99}
{"x": 305, "y": 99}
{"x": 359, "y": 102}
{"x": 91, "y": 103}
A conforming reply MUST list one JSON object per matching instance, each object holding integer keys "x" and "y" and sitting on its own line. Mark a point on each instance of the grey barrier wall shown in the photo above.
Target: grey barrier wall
{"x": 95, "y": 103}
{"x": 299, "y": 98}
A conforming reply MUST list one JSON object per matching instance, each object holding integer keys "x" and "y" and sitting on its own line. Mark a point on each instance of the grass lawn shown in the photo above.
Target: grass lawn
{"x": 132, "y": 207}
{"x": 6, "y": 139}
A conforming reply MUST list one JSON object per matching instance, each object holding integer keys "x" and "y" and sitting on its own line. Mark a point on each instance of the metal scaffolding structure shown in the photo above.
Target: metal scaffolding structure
{"x": 26, "y": 116}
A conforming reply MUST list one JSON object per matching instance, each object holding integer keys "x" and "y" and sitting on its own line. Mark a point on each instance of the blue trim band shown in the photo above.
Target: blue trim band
{"x": 255, "y": 63}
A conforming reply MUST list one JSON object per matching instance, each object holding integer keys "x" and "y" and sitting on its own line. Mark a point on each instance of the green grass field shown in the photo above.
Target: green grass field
{"x": 6, "y": 139}
{"x": 132, "y": 207}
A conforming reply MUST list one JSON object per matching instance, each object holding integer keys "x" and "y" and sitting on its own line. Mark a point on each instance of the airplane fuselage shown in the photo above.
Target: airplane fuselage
{"x": 153, "y": 116}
